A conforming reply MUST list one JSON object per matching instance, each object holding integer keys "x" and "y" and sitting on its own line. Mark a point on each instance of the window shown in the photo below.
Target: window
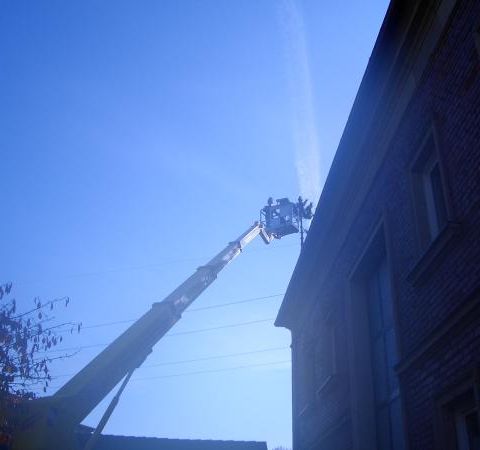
{"x": 375, "y": 394}
{"x": 434, "y": 200}
{"x": 477, "y": 39}
{"x": 429, "y": 192}
{"x": 467, "y": 429}
{"x": 384, "y": 356}
{"x": 460, "y": 419}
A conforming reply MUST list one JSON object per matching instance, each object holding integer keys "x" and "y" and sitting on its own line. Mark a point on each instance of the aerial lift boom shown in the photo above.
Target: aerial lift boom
{"x": 50, "y": 422}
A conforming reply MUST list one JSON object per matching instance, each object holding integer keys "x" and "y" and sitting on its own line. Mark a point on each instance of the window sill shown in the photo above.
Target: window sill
{"x": 430, "y": 258}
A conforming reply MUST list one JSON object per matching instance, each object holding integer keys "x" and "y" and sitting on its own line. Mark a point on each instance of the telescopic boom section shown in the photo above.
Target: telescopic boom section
{"x": 50, "y": 422}
{"x": 86, "y": 389}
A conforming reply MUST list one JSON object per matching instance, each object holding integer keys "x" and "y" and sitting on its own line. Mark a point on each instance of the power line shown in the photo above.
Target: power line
{"x": 199, "y": 372}
{"x": 180, "y": 333}
{"x": 138, "y": 267}
{"x": 226, "y": 369}
{"x": 209, "y": 358}
{"x": 238, "y": 302}
{"x": 203, "y": 308}
{"x": 221, "y": 327}
{"x": 205, "y": 358}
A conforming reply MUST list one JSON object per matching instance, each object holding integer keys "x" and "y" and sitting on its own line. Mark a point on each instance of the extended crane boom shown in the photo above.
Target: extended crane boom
{"x": 50, "y": 422}
{"x": 130, "y": 349}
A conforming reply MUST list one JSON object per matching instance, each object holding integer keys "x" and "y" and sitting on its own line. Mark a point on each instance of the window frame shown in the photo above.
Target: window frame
{"x": 457, "y": 400}
{"x": 362, "y": 394}
{"x": 461, "y": 426}
{"x": 429, "y": 251}
{"x": 476, "y": 37}
{"x": 426, "y": 158}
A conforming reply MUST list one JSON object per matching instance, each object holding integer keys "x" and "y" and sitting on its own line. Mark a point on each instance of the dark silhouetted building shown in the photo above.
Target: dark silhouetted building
{"x": 384, "y": 303}
{"x": 111, "y": 442}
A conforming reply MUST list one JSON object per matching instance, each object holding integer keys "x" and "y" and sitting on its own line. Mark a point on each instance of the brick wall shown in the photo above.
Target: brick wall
{"x": 448, "y": 95}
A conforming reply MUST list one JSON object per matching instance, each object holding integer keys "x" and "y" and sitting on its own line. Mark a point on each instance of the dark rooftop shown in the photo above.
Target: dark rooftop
{"x": 112, "y": 442}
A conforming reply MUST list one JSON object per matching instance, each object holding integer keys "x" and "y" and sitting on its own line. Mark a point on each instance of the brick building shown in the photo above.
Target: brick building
{"x": 384, "y": 303}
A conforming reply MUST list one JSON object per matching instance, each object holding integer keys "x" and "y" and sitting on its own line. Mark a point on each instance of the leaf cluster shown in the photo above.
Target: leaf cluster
{"x": 25, "y": 340}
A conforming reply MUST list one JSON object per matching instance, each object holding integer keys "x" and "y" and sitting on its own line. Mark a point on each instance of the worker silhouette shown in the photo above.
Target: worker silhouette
{"x": 304, "y": 212}
{"x": 268, "y": 210}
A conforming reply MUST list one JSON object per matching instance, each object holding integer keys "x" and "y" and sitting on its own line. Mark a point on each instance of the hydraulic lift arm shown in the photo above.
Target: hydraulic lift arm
{"x": 51, "y": 421}
{"x": 86, "y": 389}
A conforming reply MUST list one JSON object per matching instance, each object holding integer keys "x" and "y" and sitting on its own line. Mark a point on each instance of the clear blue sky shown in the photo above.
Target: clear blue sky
{"x": 136, "y": 139}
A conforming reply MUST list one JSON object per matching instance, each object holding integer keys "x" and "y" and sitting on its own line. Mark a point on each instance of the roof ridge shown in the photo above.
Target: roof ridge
{"x": 178, "y": 439}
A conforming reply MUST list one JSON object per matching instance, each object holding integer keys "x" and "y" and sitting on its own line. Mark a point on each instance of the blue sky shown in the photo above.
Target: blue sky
{"x": 137, "y": 138}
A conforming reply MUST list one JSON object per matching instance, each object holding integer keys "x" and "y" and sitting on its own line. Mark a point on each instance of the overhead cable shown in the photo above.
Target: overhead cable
{"x": 202, "y": 308}
{"x": 134, "y": 267}
{"x": 226, "y": 369}
{"x": 205, "y": 358}
{"x": 180, "y": 333}
{"x": 199, "y": 372}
